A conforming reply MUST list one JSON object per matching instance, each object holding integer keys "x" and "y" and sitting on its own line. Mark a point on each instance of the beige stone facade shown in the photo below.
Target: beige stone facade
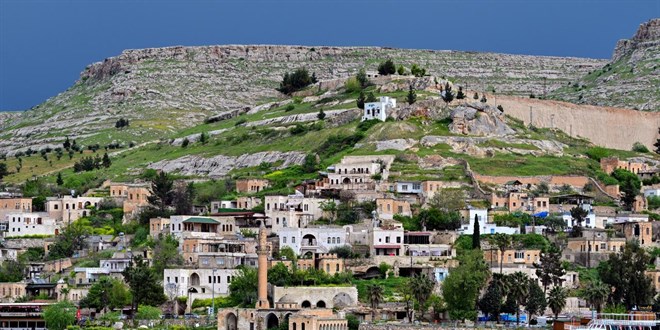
{"x": 609, "y": 164}
{"x": 134, "y": 196}
{"x": 247, "y": 202}
{"x": 511, "y": 257}
{"x": 387, "y": 208}
{"x": 14, "y": 205}
{"x": 10, "y": 291}
{"x": 520, "y": 201}
{"x": 251, "y": 186}
{"x": 640, "y": 231}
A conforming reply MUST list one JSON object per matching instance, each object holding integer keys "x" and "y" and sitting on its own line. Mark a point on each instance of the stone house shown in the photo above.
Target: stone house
{"x": 515, "y": 201}
{"x": 251, "y": 186}
{"x": 22, "y": 224}
{"x": 294, "y": 210}
{"x": 247, "y": 202}
{"x": 69, "y": 209}
{"x": 635, "y": 227}
{"x": 512, "y": 257}
{"x": 468, "y": 217}
{"x": 594, "y": 246}
{"x": 216, "y": 206}
{"x": 327, "y": 262}
{"x": 10, "y": 291}
{"x": 89, "y": 275}
{"x": 201, "y": 226}
{"x": 200, "y": 283}
{"x": 609, "y": 164}
{"x": 386, "y": 240}
{"x": 388, "y": 207}
{"x": 14, "y": 205}
{"x": 358, "y": 172}
{"x": 133, "y": 196}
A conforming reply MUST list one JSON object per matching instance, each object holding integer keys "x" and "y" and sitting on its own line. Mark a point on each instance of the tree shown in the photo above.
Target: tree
{"x": 67, "y": 143}
{"x": 536, "y": 302}
{"x": 476, "y": 96}
{"x": 60, "y": 315}
{"x": 161, "y": 191}
{"x": 387, "y": 68}
{"x": 502, "y": 242}
{"x": 362, "y": 78}
{"x": 460, "y": 95}
{"x": 144, "y": 283}
{"x": 629, "y": 185}
{"x": 321, "y": 115}
{"x": 243, "y": 288}
{"x": 409, "y": 298}
{"x": 596, "y": 293}
{"x": 461, "y": 288}
{"x": 313, "y": 78}
{"x": 549, "y": 269}
{"x": 448, "y": 200}
{"x": 329, "y": 207}
{"x": 476, "y": 236}
{"x": 295, "y": 81}
{"x": 203, "y": 138}
{"x": 375, "y": 294}
{"x": 447, "y": 94}
{"x": 182, "y": 198}
{"x": 11, "y": 271}
{"x": 401, "y": 70}
{"x": 107, "y": 292}
{"x": 412, "y": 96}
{"x": 491, "y": 302}
{"x": 483, "y": 98}
{"x": 518, "y": 290}
{"x": 416, "y": 71}
{"x": 69, "y": 241}
{"x": 185, "y": 142}
{"x": 59, "y": 180}
{"x": 166, "y": 253}
{"x": 360, "y": 100}
{"x": 421, "y": 287}
{"x": 578, "y": 214}
{"x": 625, "y": 273}
{"x": 106, "y": 160}
{"x": 557, "y": 300}
{"x": 371, "y": 98}
{"x": 3, "y": 170}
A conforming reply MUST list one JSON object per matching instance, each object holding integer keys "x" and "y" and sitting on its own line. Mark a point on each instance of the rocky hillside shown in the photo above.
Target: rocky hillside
{"x": 164, "y": 90}
{"x": 629, "y": 80}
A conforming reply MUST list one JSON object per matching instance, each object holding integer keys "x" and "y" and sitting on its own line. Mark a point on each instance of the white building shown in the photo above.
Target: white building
{"x": 295, "y": 211}
{"x": 89, "y": 275}
{"x": 312, "y": 240}
{"x": 358, "y": 172}
{"x": 30, "y": 223}
{"x": 485, "y": 227}
{"x": 199, "y": 283}
{"x": 386, "y": 240}
{"x": 408, "y": 187}
{"x": 217, "y": 205}
{"x": 588, "y": 222}
{"x": 648, "y": 192}
{"x": 378, "y": 110}
{"x": 69, "y": 209}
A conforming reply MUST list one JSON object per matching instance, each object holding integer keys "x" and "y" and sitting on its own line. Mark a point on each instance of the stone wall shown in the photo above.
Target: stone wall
{"x": 555, "y": 180}
{"x": 331, "y": 296}
{"x": 604, "y": 126}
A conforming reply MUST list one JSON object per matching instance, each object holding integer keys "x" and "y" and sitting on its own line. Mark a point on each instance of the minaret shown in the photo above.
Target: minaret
{"x": 262, "y": 271}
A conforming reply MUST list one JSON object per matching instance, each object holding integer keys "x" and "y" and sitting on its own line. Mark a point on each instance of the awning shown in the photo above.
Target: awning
{"x": 387, "y": 246}
{"x": 541, "y": 214}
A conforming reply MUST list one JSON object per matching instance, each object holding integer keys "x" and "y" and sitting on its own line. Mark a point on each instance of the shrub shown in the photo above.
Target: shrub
{"x": 476, "y": 96}
{"x": 367, "y": 124}
{"x": 500, "y": 107}
{"x": 337, "y": 143}
{"x": 417, "y": 71}
{"x": 401, "y": 70}
{"x": 298, "y": 129}
{"x": 185, "y": 143}
{"x": 362, "y": 78}
{"x": 240, "y": 122}
{"x": 387, "y": 68}
{"x": 295, "y": 81}
{"x": 352, "y": 84}
{"x": 639, "y": 147}
{"x": 289, "y": 107}
{"x": 321, "y": 115}
{"x": 532, "y": 96}
{"x": 596, "y": 153}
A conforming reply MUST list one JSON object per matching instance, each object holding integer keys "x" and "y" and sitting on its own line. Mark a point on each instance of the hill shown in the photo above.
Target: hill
{"x": 629, "y": 80}
{"x": 163, "y": 90}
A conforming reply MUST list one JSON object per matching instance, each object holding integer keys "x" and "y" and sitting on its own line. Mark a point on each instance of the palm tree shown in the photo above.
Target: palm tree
{"x": 557, "y": 300}
{"x": 518, "y": 290}
{"x": 596, "y": 294}
{"x": 375, "y": 293}
{"x": 422, "y": 287}
{"x": 502, "y": 283}
{"x": 502, "y": 242}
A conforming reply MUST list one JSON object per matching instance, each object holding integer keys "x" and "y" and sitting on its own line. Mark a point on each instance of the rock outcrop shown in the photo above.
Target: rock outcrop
{"x": 479, "y": 119}
{"x": 486, "y": 147}
{"x": 220, "y": 166}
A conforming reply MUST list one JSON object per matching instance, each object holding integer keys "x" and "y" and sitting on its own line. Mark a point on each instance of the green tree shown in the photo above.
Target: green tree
{"x": 476, "y": 236}
{"x": 416, "y": 71}
{"x": 144, "y": 283}
{"x": 3, "y": 170}
{"x": 11, "y": 271}
{"x": 629, "y": 185}
{"x": 401, "y": 70}
{"x": 295, "y": 81}
{"x": 321, "y": 115}
{"x": 549, "y": 269}
{"x": 375, "y": 294}
{"x": 161, "y": 192}
{"x": 98, "y": 296}
{"x": 460, "y": 95}
{"x": 185, "y": 142}
{"x": 491, "y": 302}
{"x": 243, "y": 288}
{"x": 422, "y": 287}
{"x": 387, "y": 68}
{"x": 447, "y": 94}
{"x": 183, "y": 197}
{"x": 360, "y": 100}
{"x": 557, "y": 300}
{"x": 203, "y": 138}
{"x": 371, "y": 98}
{"x": 106, "y": 160}
{"x": 309, "y": 166}
{"x": 166, "y": 254}
{"x": 412, "y": 96}
{"x": 69, "y": 241}
{"x": 502, "y": 242}
{"x": 60, "y": 315}
{"x": 329, "y": 207}
{"x": 362, "y": 78}
{"x": 578, "y": 214}
{"x": 59, "y": 180}
{"x": 461, "y": 288}
{"x": 518, "y": 290}
{"x": 625, "y": 273}
{"x": 535, "y": 303}
{"x": 596, "y": 293}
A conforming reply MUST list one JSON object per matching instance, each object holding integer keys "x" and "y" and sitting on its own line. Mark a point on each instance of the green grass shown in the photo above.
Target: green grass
{"x": 391, "y": 286}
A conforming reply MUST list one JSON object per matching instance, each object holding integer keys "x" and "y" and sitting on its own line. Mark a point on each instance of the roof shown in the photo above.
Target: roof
{"x": 201, "y": 220}
{"x": 513, "y": 182}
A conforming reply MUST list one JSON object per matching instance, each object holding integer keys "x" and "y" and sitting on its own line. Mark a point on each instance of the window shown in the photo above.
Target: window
{"x": 398, "y": 239}
{"x": 400, "y": 209}
{"x": 284, "y": 239}
{"x": 603, "y": 246}
{"x": 56, "y": 206}
{"x": 328, "y": 240}
{"x": 404, "y": 187}
{"x": 519, "y": 255}
{"x": 293, "y": 239}
{"x": 338, "y": 240}
{"x": 416, "y": 186}
{"x": 387, "y": 239}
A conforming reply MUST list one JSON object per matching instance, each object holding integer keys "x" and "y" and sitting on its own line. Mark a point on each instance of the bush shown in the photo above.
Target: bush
{"x": 298, "y": 129}
{"x": 148, "y": 313}
{"x": 367, "y": 124}
{"x": 387, "y": 68}
{"x": 338, "y": 143}
{"x": 596, "y": 153}
{"x": 295, "y": 81}
{"x": 639, "y": 147}
{"x": 289, "y": 107}
{"x": 352, "y": 84}
{"x": 185, "y": 143}
{"x": 240, "y": 122}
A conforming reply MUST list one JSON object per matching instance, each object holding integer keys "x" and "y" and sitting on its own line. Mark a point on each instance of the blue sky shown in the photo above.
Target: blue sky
{"x": 45, "y": 44}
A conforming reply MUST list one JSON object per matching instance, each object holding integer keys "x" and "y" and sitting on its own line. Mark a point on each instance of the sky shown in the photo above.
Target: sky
{"x": 45, "y": 44}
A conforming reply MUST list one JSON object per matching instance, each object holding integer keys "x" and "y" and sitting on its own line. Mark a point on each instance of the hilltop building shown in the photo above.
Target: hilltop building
{"x": 378, "y": 110}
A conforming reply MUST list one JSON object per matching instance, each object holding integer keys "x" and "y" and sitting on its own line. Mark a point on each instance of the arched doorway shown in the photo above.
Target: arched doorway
{"x": 342, "y": 300}
{"x": 306, "y": 304}
{"x": 346, "y": 181}
{"x": 320, "y": 304}
{"x": 309, "y": 240}
{"x": 231, "y": 322}
{"x": 271, "y": 321}
{"x": 194, "y": 279}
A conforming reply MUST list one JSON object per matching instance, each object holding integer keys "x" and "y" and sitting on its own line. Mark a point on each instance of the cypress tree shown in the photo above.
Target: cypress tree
{"x": 476, "y": 236}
